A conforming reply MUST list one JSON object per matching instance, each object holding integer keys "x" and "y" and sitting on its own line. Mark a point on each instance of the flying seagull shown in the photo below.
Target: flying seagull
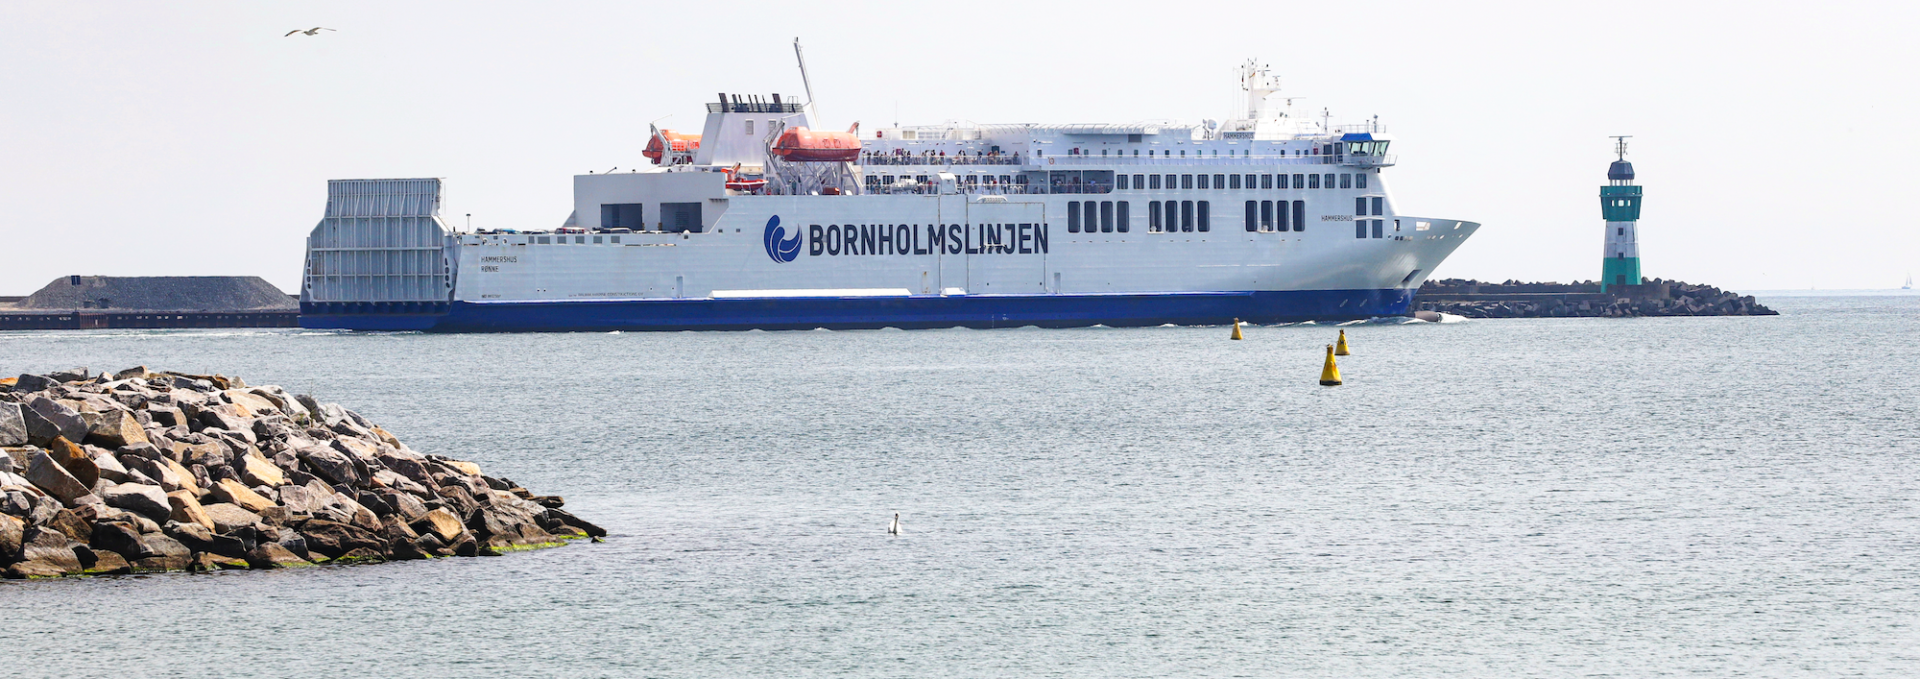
{"x": 311, "y": 31}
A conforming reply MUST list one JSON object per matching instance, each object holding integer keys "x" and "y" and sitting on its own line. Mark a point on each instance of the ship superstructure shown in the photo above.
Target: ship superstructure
{"x": 762, "y": 221}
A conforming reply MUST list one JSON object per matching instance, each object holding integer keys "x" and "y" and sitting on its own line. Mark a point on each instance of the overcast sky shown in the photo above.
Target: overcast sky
{"x": 193, "y": 139}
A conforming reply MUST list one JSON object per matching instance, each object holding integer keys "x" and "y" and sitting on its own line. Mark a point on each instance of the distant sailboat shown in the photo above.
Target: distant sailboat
{"x": 1909, "y": 283}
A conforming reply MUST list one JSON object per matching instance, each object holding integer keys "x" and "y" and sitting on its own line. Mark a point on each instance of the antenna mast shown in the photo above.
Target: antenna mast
{"x": 1620, "y": 145}
{"x": 813, "y": 112}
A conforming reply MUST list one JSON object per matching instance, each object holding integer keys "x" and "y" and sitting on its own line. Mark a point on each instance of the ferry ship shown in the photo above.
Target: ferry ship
{"x": 762, "y": 221}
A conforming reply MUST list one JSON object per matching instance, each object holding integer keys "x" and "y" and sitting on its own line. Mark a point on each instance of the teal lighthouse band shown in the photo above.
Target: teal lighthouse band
{"x": 1620, "y": 205}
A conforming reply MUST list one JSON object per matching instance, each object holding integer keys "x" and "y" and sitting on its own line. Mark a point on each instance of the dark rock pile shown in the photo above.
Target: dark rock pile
{"x": 160, "y": 293}
{"x": 1534, "y": 300}
{"x": 143, "y": 472}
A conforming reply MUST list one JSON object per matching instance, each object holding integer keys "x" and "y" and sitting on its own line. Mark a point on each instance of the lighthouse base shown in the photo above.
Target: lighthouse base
{"x": 1619, "y": 271}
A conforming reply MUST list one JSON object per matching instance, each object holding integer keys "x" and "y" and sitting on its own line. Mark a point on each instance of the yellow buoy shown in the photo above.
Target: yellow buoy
{"x": 1341, "y": 348}
{"x": 1330, "y": 374}
{"x": 1236, "y": 329}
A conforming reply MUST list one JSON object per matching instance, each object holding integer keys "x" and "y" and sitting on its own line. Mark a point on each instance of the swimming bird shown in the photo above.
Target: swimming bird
{"x": 311, "y": 31}
{"x": 894, "y": 528}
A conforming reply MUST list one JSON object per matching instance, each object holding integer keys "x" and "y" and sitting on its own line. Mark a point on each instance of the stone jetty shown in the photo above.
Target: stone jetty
{"x": 142, "y": 471}
{"x": 1515, "y": 299}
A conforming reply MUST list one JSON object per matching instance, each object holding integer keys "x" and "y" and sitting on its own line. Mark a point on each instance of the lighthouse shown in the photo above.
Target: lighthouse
{"x": 1620, "y": 205}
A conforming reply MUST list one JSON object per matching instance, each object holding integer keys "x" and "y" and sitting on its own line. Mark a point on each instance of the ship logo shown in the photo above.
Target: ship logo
{"x": 781, "y": 251}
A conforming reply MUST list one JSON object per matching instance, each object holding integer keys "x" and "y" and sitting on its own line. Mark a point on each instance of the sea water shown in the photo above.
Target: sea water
{"x": 1507, "y": 498}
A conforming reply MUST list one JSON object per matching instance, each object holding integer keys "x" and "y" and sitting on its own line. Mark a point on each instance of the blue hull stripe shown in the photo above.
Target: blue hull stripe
{"x": 973, "y": 311}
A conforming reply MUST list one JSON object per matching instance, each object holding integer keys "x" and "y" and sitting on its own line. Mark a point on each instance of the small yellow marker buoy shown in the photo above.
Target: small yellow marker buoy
{"x": 1341, "y": 348}
{"x": 1236, "y": 329}
{"x": 1330, "y": 374}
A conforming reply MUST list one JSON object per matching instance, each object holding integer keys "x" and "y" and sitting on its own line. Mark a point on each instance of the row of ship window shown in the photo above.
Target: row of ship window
{"x": 1109, "y": 216}
{"x": 1150, "y": 182}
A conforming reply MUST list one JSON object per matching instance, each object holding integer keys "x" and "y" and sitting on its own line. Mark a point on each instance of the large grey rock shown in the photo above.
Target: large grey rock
{"x": 34, "y": 383}
{"x": 71, "y": 375}
{"x": 13, "y": 425}
{"x": 333, "y": 466}
{"x": 167, "y": 554}
{"x": 12, "y": 535}
{"x": 116, "y": 428}
{"x": 145, "y": 500}
{"x": 160, "y": 471}
{"x": 118, "y": 537}
{"x": 52, "y": 477}
{"x": 47, "y": 419}
{"x": 47, "y": 554}
{"x": 334, "y": 539}
{"x": 228, "y": 517}
{"x": 110, "y": 467}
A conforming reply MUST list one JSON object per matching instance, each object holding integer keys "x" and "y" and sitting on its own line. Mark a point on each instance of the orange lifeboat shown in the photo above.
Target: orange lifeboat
{"x": 669, "y": 141}
{"x": 737, "y": 183}
{"x": 814, "y": 146}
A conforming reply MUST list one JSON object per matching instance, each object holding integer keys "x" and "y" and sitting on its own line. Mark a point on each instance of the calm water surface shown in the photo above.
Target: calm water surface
{"x": 1526, "y": 498}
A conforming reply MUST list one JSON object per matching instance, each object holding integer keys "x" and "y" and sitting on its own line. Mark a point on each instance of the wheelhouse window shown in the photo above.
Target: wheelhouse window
{"x": 621, "y": 216}
{"x": 1378, "y": 204}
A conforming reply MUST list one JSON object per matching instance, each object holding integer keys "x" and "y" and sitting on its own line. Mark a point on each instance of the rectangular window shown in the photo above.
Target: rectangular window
{"x": 1122, "y": 185}
{"x": 1253, "y": 215}
{"x": 749, "y": 127}
{"x": 1219, "y": 181}
{"x": 1073, "y": 216}
{"x": 1299, "y": 215}
{"x": 1203, "y": 182}
{"x": 621, "y": 216}
{"x": 1329, "y": 181}
{"x": 1266, "y": 181}
{"x": 1139, "y": 182}
{"x": 1299, "y": 182}
{"x": 616, "y": 240}
{"x": 1153, "y": 215}
{"x": 1346, "y": 181}
{"x": 1360, "y": 180}
{"x": 1106, "y": 216}
{"x": 680, "y": 217}
{"x": 1091, "y": 216}
{"x": 546, "y": 240}
{"x": 1378, "y": 203}
{"x": 1359, "y": 228}
{"x": 1251, "y": 179}
{"x": 1186, "y": 181}
{"x": 1153, "y": 181}
{"x": 1280, "y": 215}
{"x": 1233, "y": 182}
{"x": 1621, "y": 231}
{"x": 596, "y": 240}
{"x": 1313, "y": 181}
{"x": 1378, "y": 226}
{"x": 1206, "y": 222}
{"x": 579, "y": 240}
{"x": 1123, "y": 216}
{"x": 1173, "y": 217}
{"x": 1360, "y": 206}
{"x": 1186, "y": 216}
{"x": 1266, "y": 215}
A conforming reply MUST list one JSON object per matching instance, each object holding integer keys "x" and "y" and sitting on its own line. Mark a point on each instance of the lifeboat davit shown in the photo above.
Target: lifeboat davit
{"x": 814, "y": 146}
{"x": 666, "y": 141}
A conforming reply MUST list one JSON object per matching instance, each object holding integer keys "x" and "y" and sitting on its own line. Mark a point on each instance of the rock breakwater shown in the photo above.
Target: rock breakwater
{"x": 142, "y": 471}
{"x": 1514, "y": 299}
